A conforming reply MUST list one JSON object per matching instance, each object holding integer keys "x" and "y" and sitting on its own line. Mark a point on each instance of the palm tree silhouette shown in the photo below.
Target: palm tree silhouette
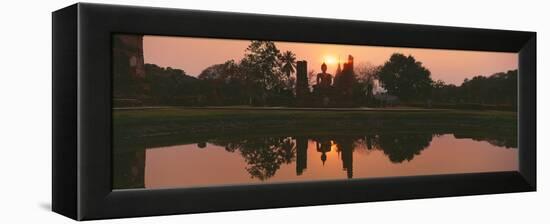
{"x": 288, "y": 60}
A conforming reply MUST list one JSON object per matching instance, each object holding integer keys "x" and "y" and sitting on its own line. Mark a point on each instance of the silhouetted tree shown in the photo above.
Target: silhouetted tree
{"x": 169, "y": 85}
{"x": 288, "y": 60}
{"x": 225, "y": 72}
{"x": 261, "y": 69}
{"x": 367, "y": 74}
{"x": 224, "y": 83}
{"x": 497, "y": 89}
{"x": 442, "y": 92}
{"x": 405, "y": 78}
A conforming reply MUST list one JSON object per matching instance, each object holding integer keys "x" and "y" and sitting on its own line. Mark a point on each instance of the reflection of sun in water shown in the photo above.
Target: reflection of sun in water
{"x": 333, "y": 146}
{"x": 330, "y": 60}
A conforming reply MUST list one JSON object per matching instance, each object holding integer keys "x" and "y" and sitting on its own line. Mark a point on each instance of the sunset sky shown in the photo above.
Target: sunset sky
{"x": 195, "y": 54}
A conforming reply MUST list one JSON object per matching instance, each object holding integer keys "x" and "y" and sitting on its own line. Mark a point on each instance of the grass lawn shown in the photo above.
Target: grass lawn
{"x": 208, "y": 122}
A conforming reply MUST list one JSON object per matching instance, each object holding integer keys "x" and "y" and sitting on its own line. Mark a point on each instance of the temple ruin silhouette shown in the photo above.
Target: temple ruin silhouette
{"x": 328, "y": 90}
{"x": 128, "y": 49}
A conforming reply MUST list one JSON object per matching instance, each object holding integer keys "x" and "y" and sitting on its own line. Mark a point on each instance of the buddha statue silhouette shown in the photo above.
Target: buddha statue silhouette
{"x": 324, "y": 79}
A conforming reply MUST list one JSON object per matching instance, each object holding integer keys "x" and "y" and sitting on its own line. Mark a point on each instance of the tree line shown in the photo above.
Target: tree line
{"x": 264, "y": 77}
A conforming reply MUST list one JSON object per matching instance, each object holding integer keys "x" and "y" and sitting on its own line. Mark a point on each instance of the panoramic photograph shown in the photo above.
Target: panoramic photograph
{"x": 203, "y": 112}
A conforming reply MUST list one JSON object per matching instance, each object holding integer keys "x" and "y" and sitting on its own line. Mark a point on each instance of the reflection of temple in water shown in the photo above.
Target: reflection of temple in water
{"x": 345, "y": 151}
{"x": 324, "y": 145}
{"x": 263, "y": 156}
{"x": 301, "y": 155}
{"x": 129, "y": 170}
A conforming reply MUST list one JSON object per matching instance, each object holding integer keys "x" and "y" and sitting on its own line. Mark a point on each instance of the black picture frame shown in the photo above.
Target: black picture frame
{"x": 82, "y": 177}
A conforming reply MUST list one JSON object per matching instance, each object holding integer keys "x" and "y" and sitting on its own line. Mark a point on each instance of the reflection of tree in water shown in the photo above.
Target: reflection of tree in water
{"x": 500, "y": 140}
{"x": 401, "y": 147}
{"x": 201, "y": 145}
{"x": 506, "y": 143}
{"x": 264, "y": 155}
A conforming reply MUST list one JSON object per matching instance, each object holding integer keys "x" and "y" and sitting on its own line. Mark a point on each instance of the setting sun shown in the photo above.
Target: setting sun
{"x": 331, "y": 60}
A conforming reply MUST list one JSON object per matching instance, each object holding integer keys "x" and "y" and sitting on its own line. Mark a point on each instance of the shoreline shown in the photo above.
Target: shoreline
{"x": 366, "y": 109}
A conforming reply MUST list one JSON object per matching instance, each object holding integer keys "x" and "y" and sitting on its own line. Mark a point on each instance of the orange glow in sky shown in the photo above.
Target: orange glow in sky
{"x": 330, "y": 60}
{"x": 452, "y": 66}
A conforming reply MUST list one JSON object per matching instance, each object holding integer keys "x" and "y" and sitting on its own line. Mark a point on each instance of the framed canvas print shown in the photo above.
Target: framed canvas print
{"x": 195, "y": 111}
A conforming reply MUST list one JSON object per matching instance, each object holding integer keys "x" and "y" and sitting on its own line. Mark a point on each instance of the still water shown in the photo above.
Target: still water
{"x": 255, "y": 160}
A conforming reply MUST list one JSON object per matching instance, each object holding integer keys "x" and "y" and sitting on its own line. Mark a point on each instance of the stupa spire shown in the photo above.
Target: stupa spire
{"x": 339, "y": 69}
